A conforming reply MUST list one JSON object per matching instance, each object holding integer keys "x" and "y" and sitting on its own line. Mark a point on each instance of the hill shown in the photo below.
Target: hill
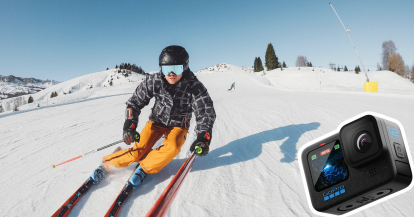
{"x": 79, "y": 88}
{"x": 252, "y": 167}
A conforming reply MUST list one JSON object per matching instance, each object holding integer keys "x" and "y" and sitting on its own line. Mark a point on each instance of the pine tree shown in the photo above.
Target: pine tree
{"x": 30, "y": 99}
{"x": 255, "y": 65}
{"x": 284, "y": 64}
{"x": 310, "y": 64}
{"x": 345, "y": 69}
{"x": 271, "y": 60}
{"x": 357, "y": 69}
{"x": 260, "y": 64}
{"x": 54, "y": 94}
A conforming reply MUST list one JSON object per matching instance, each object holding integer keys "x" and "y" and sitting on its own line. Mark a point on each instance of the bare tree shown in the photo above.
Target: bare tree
{"x": 407, "y": 71}
{"x": 379, "y": 67}
{"x": 17, "y": 102}
{"x": 23, "y": 101}
{"x": 412, "y": 74}
{"x": 301, "y": 61}
{"x": 388, "y": 47}
{"x": 7, "y": 105}
{"x": 396, "y": 64}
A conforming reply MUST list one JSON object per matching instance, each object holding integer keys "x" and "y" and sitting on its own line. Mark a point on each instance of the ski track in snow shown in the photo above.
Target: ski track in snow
{"x": 252, "y": 167}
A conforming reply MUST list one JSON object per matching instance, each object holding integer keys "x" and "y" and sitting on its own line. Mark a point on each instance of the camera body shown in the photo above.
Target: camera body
{"x": 365, "y": 161}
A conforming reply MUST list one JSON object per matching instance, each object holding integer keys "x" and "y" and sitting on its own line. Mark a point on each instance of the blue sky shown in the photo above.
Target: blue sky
{"x": 62, "y": 40}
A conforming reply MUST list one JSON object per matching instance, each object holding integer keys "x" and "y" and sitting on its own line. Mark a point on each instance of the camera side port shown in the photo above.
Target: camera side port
{"x": 379, "y": 194}
{"x": 364, "y": 200}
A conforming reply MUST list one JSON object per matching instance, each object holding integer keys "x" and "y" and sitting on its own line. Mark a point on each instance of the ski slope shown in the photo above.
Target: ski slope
{"x": 252, "y": 167}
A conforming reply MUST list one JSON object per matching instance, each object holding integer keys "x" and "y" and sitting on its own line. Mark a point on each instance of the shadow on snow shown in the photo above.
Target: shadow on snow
{"x": 237, "y": 151}
{"x": 250, "y": 147}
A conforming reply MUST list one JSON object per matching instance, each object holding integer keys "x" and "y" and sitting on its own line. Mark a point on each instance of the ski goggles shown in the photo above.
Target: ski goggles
{"x": 176, "y": 69}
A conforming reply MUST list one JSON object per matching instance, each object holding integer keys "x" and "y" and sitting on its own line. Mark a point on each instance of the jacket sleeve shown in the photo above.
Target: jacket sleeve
{"x": 140, "y": 98}
{"x": 203, "y": 108}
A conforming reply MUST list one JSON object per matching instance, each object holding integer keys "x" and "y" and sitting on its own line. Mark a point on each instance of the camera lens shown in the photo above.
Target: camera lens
{"x": 364, "y": 142}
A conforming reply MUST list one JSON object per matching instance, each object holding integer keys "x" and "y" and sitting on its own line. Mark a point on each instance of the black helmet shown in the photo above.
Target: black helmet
{"x": 174, "y": 55}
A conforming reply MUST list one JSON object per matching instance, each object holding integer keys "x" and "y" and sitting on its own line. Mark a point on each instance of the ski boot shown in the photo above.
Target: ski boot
{"x": 137, "y": 177}
{"x": 98, "y": 175}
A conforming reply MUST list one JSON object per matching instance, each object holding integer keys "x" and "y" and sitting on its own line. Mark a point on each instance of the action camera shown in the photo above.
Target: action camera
{"x": 362, "y": 162}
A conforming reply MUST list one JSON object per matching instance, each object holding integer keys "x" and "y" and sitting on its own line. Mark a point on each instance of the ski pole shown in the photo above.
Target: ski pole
{"x": 103, "y": 147}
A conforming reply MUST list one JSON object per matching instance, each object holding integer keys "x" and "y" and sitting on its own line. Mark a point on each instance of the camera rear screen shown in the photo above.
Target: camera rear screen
{"x": 327, "y": 165}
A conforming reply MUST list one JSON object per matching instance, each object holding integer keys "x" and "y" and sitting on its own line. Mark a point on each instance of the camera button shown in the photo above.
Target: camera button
{"x": 399, "y": 150}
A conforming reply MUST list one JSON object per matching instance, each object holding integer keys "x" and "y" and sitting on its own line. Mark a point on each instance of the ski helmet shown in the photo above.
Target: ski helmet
{"x": 174, "y": 55}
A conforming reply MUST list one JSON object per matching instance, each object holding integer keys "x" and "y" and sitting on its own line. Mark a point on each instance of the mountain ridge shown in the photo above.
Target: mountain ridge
{"x": 12, "y": 86}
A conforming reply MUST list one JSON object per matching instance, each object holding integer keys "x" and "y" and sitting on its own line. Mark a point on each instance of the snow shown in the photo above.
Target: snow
{"x": 251, "y": 170}
{"x": 80, "y": 88}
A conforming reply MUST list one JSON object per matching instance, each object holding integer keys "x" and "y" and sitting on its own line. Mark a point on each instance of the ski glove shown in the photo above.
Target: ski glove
{"x": 202, "y": 141}
{"x": 130, "y": 134}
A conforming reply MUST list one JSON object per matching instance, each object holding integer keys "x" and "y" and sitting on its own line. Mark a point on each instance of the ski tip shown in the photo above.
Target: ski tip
{"x": 53, "y": 166}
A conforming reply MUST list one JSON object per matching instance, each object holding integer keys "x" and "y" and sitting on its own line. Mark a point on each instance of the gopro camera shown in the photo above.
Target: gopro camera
{"x": 363, "y": 162}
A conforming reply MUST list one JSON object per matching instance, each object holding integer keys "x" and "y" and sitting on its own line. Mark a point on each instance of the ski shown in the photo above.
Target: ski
{"x": 164, "y": 202}
{"x": 85, "y": 187}
{"x": 122, "y": 196}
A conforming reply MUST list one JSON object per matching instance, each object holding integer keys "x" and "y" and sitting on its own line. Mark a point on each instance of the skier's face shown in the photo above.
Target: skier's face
{"x": 172, "y": 78}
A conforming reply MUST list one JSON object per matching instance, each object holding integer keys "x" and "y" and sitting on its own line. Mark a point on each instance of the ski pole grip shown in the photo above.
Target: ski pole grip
{"x": 198, "y": 149}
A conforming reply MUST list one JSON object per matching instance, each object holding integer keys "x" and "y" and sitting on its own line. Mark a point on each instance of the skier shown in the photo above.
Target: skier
{"x": 232, "y": 86}
{"x": 177, "y": 93}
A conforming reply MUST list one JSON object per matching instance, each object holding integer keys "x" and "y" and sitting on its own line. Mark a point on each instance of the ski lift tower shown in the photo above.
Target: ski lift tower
{"x": 368, "y": 86}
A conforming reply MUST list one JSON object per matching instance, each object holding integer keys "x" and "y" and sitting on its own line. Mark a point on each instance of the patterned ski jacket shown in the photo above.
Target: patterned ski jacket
{"x": 173, "y": 103}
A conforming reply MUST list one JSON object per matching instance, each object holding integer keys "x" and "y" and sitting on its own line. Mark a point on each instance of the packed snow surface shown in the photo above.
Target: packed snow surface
{"x": 251, "y": 170}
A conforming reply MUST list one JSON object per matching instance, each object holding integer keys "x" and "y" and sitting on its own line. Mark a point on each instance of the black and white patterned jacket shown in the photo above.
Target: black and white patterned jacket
{"x": 173, "y": 103}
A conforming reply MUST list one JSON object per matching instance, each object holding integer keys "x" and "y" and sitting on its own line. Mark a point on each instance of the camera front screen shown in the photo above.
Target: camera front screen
{"x": 327, "y": 165}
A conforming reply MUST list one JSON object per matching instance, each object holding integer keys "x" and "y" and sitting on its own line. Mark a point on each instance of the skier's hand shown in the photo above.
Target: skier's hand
{"x": 130, "y": 134}
{"x": 131, "y": 137}
{"x": 203, "y": 142}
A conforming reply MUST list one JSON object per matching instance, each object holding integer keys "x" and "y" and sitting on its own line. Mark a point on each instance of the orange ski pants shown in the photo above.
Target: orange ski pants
{"x": 151, "y": 161}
